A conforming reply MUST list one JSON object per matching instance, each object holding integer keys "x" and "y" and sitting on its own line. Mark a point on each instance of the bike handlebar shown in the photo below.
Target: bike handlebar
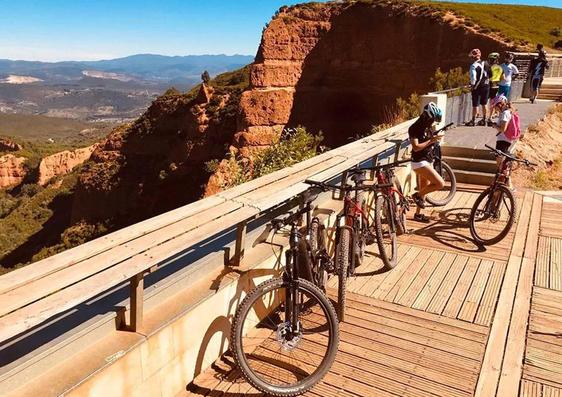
{"x": 511, "y": 157}
{"x": 443, "y": 128}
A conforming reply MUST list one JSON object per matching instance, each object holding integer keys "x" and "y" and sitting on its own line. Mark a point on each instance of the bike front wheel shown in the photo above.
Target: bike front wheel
{"x": 444, "y": 196}
{"x": 492, "y": 215}
{"x": 285, "y": 336}
{"x": 385, "y": 231}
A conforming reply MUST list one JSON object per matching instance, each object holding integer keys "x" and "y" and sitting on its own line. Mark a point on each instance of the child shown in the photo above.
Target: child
{"x": 505, "y": 141}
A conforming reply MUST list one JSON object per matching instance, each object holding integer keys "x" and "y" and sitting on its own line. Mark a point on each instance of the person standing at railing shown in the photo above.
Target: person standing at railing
{"x": 538, "y": 67}
{"x": 509, "y": 71}
{"x": 480, "y": 73}
{"x": 422, "y": 140}
{"x": 493, "y": 61}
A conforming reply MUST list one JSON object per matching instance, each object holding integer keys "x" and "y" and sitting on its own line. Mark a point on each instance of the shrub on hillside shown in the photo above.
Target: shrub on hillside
{"x": 294, "y": 146}
{"x": 409, "y": 108}
{"x": 454, "y": 78}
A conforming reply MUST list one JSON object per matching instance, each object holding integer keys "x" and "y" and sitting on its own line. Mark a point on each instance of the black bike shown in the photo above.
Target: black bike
{"x": 285, "y": 332}
{"x": 493, "y": 213}
{"x": 444, "y": 196}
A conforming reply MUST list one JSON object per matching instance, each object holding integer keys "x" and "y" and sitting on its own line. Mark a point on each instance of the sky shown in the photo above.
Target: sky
{"x": 57, "y": 30}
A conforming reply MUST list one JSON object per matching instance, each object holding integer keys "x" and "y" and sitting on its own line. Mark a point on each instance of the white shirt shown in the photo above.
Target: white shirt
{"x": 504, "y": 116}
{"x": 508, "y": 71}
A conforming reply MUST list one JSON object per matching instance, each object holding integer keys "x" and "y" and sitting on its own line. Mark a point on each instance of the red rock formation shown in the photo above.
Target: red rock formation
{"x": 337, "y": 67}
{"x": 62, "y": 163}
{"x": 12, "y": 170}
{"x": 334, "y": 67}
{"x": 7, "y": 145}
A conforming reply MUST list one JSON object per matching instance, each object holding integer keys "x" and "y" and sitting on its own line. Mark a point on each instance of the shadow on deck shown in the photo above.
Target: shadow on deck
{"x": 451, "y": 318}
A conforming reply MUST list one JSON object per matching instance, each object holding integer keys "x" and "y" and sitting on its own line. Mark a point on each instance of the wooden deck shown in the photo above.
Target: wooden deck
{"x": 450, "y": 319}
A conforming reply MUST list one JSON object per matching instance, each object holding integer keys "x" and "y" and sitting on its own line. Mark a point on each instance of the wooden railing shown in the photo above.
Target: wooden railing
{"x": 32, "y": 295}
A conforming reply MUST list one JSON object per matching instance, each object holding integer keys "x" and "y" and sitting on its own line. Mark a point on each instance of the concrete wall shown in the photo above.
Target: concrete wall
{"x": 166, "y": 361}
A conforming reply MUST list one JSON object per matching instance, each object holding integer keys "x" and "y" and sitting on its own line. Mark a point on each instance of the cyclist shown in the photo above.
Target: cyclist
{"x": 480, "y": 73}
{"x": 493, "y": 61}
{"x": 509, "y": 72}
{"x": 422, "y": 140}
{"x": 538, "y": 67}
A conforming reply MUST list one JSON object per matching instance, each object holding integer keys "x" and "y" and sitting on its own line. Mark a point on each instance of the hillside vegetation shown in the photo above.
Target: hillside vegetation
{"x": 523, "y": 25}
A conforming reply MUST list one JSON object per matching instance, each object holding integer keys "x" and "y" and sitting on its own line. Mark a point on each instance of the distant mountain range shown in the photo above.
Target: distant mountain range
{"x": 106, "y": 90}
{"x": 143, "y": 67}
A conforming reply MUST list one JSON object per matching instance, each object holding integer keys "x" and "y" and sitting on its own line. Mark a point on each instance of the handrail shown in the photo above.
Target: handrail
{"x": 132, "y": 252}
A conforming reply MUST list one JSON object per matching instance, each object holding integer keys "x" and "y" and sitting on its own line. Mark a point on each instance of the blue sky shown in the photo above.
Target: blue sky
{"x": 53, "y": 30}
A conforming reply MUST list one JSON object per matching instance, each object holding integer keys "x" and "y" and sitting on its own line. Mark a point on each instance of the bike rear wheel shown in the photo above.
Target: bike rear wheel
{"x": 492, "y": 215}
{"x": 385, "y": 231}
{"x": 444, "y": 196}
{"x": 273, "y": 356}
{"x": 342, "y": 265}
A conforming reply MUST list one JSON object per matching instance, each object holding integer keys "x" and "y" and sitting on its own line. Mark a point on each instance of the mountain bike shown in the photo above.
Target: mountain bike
{"x": 399, "y": 205}
{"x": 356, "y": 227}
{"x": 442, "y": 197}
{"x": 285, "y": 333}
{"x": 493, "y": 213}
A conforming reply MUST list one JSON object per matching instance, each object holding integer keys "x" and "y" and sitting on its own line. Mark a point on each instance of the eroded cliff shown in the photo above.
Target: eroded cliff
{"x": 331, "y": 67}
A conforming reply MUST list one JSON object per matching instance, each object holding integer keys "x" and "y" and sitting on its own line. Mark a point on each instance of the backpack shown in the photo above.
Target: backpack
{"x": 513, "y": 131}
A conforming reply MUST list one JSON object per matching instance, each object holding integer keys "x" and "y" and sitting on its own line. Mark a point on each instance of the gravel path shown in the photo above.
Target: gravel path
{"x": 476, "y": 137}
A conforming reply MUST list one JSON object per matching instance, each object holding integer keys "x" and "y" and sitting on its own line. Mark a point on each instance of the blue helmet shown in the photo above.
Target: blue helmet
{"x": 433, "y": 112}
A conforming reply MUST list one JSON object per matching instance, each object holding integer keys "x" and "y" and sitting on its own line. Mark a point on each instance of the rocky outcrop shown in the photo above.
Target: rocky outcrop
{"x": 7, "y": 145}
{"x": 12, "y": 170}
{"x": 158, "y": 162}
{"x": 340, "y": 67}
{"x": 334, "y": 67}
{"x": 62, "y": 163}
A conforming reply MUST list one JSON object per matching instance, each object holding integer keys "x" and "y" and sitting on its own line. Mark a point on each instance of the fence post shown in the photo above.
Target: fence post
{"x": 137, "y": 301}
{"x": 241, "y": 229}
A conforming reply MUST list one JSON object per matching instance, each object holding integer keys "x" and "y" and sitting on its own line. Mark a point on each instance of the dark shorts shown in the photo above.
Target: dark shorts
{"x": 493, "y": 92}
{"x": 480, "y": 96}
{"x": 536, "y": 83}
{"x": 503, "y": 146}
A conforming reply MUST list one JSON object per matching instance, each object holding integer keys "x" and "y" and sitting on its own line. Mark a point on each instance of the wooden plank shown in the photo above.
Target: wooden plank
{"x": 543, "y": 263}
{"x": 35, "y": 313}
{"x": 447, "y": 286}
{"x": 476, "y": 291}
{"x": 427, "y": 293}
{"x": 489, "y": 299}
{"x": 395, "y": 274}
{"x": 513, "y": 359}
{"x": 555, "y": 279}
{"x": 19, "y": 277}
{"x": 391, "y": 307}
{"x": 407, "y": 277}
{"x": 460, "y": 292}
{"x": 31, "y": 292}
{"x": 410, "y": 295}
{"x": 373, "y": 282}
{"x": 493, "y": 357}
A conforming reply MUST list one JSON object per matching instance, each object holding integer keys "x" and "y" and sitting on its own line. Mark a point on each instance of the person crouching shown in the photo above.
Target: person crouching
{"x": 422, "y": 141}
